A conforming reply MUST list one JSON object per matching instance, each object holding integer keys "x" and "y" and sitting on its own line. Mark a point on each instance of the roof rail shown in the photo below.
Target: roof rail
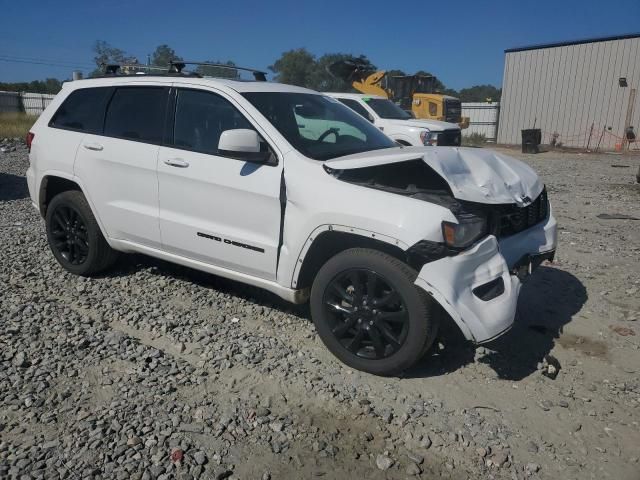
{"x": 176, "y": 66}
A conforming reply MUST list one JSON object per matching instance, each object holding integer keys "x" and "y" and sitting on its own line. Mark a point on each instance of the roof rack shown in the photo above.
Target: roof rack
{"x": 176, "y": 66}
{"x": 128, "y": 69}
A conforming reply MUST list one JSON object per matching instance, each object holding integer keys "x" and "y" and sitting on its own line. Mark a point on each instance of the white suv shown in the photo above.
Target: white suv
{"x": 400, "y": 125}
{"x": 223, "y": 176}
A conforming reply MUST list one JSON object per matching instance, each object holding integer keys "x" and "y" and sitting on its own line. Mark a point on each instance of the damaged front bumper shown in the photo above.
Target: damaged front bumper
{"x": 479, "y": 287}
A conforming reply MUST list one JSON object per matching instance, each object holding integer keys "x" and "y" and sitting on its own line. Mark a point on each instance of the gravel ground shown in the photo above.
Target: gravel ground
{"x": 158, "y": 371}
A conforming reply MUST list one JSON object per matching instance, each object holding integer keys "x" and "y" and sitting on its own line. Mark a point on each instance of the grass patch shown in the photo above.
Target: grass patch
{"x": 14, "y": 125}
{"x": 474, "y": 140}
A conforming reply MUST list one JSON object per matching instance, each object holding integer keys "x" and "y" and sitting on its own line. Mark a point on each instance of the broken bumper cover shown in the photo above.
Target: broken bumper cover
{"x": 479, "y": 287}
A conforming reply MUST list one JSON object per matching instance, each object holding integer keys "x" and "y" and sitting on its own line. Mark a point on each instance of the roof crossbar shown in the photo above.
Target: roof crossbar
{"x": 176, "y": 66}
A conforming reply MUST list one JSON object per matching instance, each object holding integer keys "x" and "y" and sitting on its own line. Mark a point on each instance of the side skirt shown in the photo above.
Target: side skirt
{"x": 288, "y": 294}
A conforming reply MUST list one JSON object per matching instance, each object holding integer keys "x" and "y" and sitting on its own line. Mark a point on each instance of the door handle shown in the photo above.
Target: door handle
{"x": 176, "y": 162}
{"x": 96, "y": 147}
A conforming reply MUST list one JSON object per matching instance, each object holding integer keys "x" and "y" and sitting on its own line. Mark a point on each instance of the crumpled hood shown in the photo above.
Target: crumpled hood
{"x": 473, "y": 174}
{"x": 433, "y": 125}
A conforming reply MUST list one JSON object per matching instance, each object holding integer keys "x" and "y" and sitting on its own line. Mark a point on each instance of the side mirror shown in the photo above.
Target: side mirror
{"x": 243, "y": 144}
{"x": 370, "y": 118}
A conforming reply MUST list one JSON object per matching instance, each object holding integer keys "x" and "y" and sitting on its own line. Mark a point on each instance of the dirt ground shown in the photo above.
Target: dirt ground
{"x": 157, "y": 371}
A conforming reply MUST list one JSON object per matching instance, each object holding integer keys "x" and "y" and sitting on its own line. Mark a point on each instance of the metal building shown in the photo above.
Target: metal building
{"x": 582, "y": 93}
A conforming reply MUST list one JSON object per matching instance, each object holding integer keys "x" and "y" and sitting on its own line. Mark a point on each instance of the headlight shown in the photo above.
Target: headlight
{"x": 429, "y": 138}
{"x": 469, "y": 229}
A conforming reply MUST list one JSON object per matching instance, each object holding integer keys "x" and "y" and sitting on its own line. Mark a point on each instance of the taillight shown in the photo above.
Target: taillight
{"x": 29, "y": 139}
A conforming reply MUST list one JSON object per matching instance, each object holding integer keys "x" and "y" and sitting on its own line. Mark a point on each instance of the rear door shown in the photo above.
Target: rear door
{"x": 118, "y": 167}
{"x": 213, "y": 208}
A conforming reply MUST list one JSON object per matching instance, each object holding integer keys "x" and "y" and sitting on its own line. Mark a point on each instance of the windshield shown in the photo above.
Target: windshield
{"x": 319, "y": 127}
{"x": 387, "y": 109}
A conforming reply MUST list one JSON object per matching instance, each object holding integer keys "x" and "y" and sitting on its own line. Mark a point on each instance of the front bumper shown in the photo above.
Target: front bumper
{"x": 479, "y": 287}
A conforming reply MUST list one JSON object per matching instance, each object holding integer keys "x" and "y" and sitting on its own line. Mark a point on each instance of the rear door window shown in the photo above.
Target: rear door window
{"x": 83, "y": 110}
{"x": 137, "y": 113}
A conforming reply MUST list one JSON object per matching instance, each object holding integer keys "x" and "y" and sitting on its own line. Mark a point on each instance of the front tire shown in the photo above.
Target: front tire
{"x": 74, "y": 236}
{"x": 369, "y": 313}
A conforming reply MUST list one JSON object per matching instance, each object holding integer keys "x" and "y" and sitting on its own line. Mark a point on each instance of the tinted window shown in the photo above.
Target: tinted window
{"x": 387, "y": 109}
{"x": 83, "y": 110}
{"x": 200, "y": 119}
{"x": 356, "y": 107}
{"x": 317, "y": 126}
{"x": 137, "y": 113}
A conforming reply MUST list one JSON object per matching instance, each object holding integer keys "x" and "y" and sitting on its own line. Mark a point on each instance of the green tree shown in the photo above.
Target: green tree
{"x": 481, "y": 93}
{"x": 163, "y": 54}
{"x": 322, "y": 80}
{"x": 295, "y": 67}
{"x": 49, "y": 85}
{"x": 219, "y": 72}
{"x": 105, "y": 54}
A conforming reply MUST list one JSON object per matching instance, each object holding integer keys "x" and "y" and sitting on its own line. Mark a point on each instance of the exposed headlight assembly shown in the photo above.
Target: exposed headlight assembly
{"x": 464, "y": 233}
{"x": 429, "y": 138}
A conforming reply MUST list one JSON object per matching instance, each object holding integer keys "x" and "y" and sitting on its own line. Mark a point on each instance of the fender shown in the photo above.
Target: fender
{"x": 404, "y": 138}
{"x": 339, "y": 228}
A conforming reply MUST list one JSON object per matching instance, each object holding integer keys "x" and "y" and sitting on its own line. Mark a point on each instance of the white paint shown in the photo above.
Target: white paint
{"x": 157, "y": 200}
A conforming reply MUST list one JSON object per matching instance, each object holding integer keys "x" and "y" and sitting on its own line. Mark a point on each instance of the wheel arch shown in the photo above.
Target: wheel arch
{"x": 53, "y": 183}
{"x": 329, "y": 240}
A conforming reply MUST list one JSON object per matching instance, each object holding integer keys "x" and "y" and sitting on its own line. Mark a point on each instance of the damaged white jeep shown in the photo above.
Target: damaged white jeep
{"x": 230, "y": 178}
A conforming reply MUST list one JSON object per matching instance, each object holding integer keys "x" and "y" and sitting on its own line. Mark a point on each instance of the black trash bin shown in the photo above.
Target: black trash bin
{"x": 531, "y": 139}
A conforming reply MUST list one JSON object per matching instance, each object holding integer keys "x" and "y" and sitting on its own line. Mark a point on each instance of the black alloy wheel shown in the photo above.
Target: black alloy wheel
{"x": 370, "y": 318}
{"x": 69, "y": 234}
{"x": 369, "y": 313}
{"x": 74, "y": 236}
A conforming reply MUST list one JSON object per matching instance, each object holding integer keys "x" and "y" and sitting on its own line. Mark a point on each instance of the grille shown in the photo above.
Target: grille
{"x": 453, "y": 110}
{"x": 450, "y": 138}
{"x": 514, "y": 219}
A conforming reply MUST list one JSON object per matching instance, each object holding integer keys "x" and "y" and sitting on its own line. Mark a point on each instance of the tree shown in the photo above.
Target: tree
{"x": 295, "y": 67}
{"x": 106, "y": 54}
{"x": 163, "y": 54}
{"x": 219, "y": 72}
{"x": 49, "y": 85}
{"x": 322, "y": 80}
{"x": 481, "y": 93}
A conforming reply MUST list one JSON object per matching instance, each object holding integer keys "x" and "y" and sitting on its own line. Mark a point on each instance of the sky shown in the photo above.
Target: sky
{"x": 461, "y": 42}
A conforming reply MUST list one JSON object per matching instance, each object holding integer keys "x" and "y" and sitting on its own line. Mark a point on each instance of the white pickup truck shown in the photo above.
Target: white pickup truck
{"x": 400, "y": 125}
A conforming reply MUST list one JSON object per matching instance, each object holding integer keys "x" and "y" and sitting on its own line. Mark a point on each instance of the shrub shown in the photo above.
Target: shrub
{"x": 474, "y": 140}
{"x": 15, "y": 124}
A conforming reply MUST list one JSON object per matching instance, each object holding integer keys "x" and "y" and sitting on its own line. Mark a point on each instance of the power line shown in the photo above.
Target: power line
{"x": 36, "y": 61}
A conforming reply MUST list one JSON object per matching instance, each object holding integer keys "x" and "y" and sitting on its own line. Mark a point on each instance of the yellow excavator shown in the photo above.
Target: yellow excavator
{"x": 414, "y": 93}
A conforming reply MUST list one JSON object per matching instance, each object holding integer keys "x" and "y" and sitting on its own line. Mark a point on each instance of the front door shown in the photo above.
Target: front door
{"x": 213, "y": 208}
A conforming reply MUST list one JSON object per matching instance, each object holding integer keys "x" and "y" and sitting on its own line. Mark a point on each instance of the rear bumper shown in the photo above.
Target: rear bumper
{"x": 479, "y": 287}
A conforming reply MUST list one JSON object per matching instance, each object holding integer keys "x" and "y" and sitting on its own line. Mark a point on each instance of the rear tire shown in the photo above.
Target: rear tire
{"x": 369, "y": 313}
{"x": 74, "y": 236}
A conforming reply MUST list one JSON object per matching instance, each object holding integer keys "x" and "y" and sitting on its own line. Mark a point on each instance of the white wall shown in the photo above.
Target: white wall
{"x": 566, "y": 89}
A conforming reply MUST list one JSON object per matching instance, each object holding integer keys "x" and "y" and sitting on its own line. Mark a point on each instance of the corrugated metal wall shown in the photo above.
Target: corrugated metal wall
{"x": 566, "y": 89}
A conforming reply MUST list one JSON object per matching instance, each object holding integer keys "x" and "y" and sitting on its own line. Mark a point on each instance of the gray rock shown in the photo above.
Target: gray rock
{"x": 384, "y": 462}
{"x": 20, "y": 360}
{"x": 413, "y": 469}
{"x": 200, "y": 458}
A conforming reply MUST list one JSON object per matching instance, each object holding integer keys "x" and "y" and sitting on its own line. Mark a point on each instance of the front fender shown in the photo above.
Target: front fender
{"x": 344, "y": 229}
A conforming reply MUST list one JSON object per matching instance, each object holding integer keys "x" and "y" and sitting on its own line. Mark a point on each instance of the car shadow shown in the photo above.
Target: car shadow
{"x": 12, "y": 187}
{"x": 548, "y": 301}
{"x": 128, "y": 264}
